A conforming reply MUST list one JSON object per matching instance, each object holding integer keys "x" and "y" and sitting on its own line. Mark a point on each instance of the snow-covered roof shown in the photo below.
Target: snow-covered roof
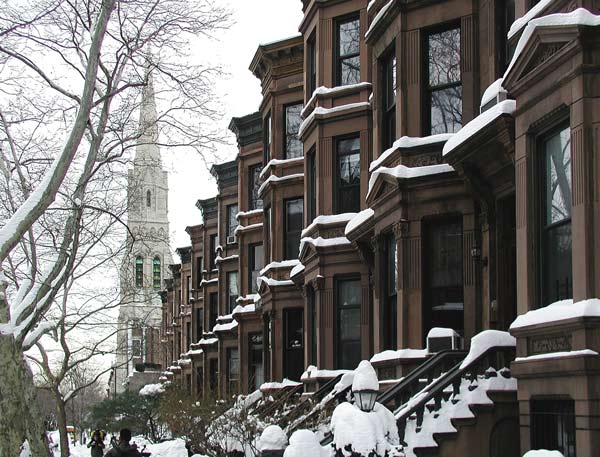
{"x": 358, "y": 220}
{"x": 245, "y": 228}
{"x": 225, "y": 327}
{"x": 321, "y": 242}
{"x": 248, "y": 213}
{"x": 378, "y": 17}
{"x": 299, "y": 268}
{"x": 322, "y": 90}
{"x": 280, "y": 264}
{"x": 477, "y": 124}
{"x": 522, "y": 21}
{"x": 542, "y": 453}
{"x": 275, "y": 162}
{"x": 329, "y": 219}
{"x": 580, "y": 16}
{"x": 404, "y": 172}
{"x": 239, "y": 309}
{"x": 208, "y": 341}
{"x": 274, "y": 282}
{"x": 406, "y": 142}
{"x": 558, "y": 311}
{"x": 320, "y": 111}
{"x": 274, "y": 179}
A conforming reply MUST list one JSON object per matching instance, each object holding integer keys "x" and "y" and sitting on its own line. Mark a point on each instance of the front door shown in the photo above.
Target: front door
{"x": 443, "y": 261}
{"x": 293, "y": 357}
{"x": 507, "y": 263}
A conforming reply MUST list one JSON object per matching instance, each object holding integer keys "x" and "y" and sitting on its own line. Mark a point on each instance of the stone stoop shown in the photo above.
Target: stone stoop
{"x": 482, "y": 420}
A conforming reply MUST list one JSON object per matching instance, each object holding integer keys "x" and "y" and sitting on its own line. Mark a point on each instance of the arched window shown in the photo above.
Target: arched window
{"x": 148, "y": 199}
{"x": 156, "y": 273}
{"x": 139, "y": 272}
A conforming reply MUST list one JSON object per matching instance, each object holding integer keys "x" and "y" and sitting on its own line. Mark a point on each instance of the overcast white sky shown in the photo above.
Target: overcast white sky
{"x": 256, "y": 22}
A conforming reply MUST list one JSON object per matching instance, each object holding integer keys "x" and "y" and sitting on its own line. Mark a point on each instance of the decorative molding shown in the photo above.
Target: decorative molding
{"x": 468, "y": 262}
{"x": 549, "y": 343}
{"x": 413, "y": 54}
{"x": 544, "y": 52}
{"x": 521, "y": 192}
{"x": 468, "y": 44}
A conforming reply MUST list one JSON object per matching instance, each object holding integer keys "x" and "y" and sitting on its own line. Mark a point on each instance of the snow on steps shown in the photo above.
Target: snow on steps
{"x": 455, "y": 409}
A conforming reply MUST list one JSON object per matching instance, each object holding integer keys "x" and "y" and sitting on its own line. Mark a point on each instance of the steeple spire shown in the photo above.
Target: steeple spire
{"x": 147, "y": 152}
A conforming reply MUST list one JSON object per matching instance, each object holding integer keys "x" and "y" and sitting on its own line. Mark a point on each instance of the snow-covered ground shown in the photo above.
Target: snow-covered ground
{"x": 172, "y": 448}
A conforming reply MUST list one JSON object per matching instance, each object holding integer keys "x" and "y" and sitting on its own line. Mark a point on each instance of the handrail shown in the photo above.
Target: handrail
{"x": 265, "y": 404}
{"x": 411, "y": 383}
{"x": 493, "y": 357}
{"x": 285, "y": 396}
{"x": 315, "y": 400}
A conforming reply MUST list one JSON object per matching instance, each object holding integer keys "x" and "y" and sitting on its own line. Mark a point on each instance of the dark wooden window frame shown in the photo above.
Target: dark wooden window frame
{"x": 336, "y": 171}
{"x": 337, "y": 280}
{"x": 338, "y": 59}
{"x": 388, "y": 113}
{"x": 551, "y": 125}
{"x": 426, "y": 90}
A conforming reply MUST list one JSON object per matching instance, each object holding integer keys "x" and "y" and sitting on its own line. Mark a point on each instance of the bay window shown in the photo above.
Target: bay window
{"x": 444, "y": 87}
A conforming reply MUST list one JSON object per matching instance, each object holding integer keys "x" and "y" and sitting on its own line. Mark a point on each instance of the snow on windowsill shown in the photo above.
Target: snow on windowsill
{"x": 477, "y": 124}
{"x": 225, "y": 327}
{"x": 323, "y": 111}
{"x": 558, "y": 311}
{"x": 274, "y": 179}
{"x": 280, "y": 264}
{"x": 275, "y": 162}
{"x": 239, "y": 309}
{"x": 358, "y": 220}
{"x": 406, "y": 142}
{"x": 245, "y": 228}
{"x": 274, "y": 282}
{"x": 404, "y": 172}
{"x": 329, "y": 219}
{"x": 252, "y": 212}
{"x": 320, "y": 242}
{"x": 322, "y": 91}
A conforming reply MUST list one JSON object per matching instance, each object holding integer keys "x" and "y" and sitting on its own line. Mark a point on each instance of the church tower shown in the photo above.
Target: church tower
{"x": 148, "y": 255}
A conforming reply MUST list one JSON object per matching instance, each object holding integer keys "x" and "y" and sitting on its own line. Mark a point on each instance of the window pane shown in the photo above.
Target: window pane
{"x": 232, "y": 223}
{"x": 446, "y": 110}
{"x": 350, "y": 294}
{"x": 390, "y": 81}
{"x": 293, "y": 146}
{"x": 294, "y": 210}
{"x": 348, "y": 179}
{"x": 350, "y": 71}
{"x": 349, "y": 38}
{"x": 349, "y": 169}
{"x": 445, "y": 261}
{"x": 558, "y": 177}
{"x": 255, "y": 201}
{"x": 558, "y": 264}
{"x": 444, "y": 57}
{"x": 392, "y": 269}
{"x": 349, "y": 354}
{"x": 350, "y": 324}
{"x": 139, "y": 272}
{"x": 156, "y": 273}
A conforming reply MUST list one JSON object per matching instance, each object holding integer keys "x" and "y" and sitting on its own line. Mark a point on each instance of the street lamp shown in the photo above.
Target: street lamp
{"x": 365, "y": 386}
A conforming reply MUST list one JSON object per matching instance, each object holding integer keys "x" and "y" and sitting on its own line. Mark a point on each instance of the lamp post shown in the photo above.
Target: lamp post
{"x": 365, "y": 386}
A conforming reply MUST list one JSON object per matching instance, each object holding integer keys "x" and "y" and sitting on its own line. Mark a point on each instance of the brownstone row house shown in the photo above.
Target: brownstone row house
{"x": 413, "y": 166}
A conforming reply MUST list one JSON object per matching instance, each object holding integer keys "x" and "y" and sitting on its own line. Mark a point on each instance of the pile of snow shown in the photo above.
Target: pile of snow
{"x": 328, "y": 219}
{"x": 521, "y": 22}
{"x": 486, "y": 340}
{"x": 277, "y": 265}
{"x": 313, "y": 372}
{"x": 298, "y": 268}
{"x": 152, "y": 390}
{"x": 492, "y": 92}
{"x": 557, "y": 355}
{"x": 378, "y": 17}
{"x": 542, "y": 453}
{"x": 557, "y": 311}
{"x": 321, "y": 242}
{"x": 304, "y": 443}
{"x": 272, "y": 438}
{"x": 365, "y": 377}
{"x": 320, "y": 111}
{"x": 408, "y": 353}
{"x": 363, "y": 432}
{"x": 323, "y": 91}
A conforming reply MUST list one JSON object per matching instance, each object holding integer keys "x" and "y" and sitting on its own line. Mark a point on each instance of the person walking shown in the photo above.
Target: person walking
{"x": 96, "y": 444}
{"x": 123, "y": 448}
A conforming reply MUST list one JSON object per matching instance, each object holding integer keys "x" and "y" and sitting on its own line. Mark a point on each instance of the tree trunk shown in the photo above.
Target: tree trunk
{"x": 62, "y": 424}
{"x": 19, "y": 417}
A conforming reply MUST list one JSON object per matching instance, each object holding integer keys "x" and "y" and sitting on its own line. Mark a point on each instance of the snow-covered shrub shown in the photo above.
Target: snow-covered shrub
{"x": 304, "y": 443}
{"x": 272, "y": 438}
